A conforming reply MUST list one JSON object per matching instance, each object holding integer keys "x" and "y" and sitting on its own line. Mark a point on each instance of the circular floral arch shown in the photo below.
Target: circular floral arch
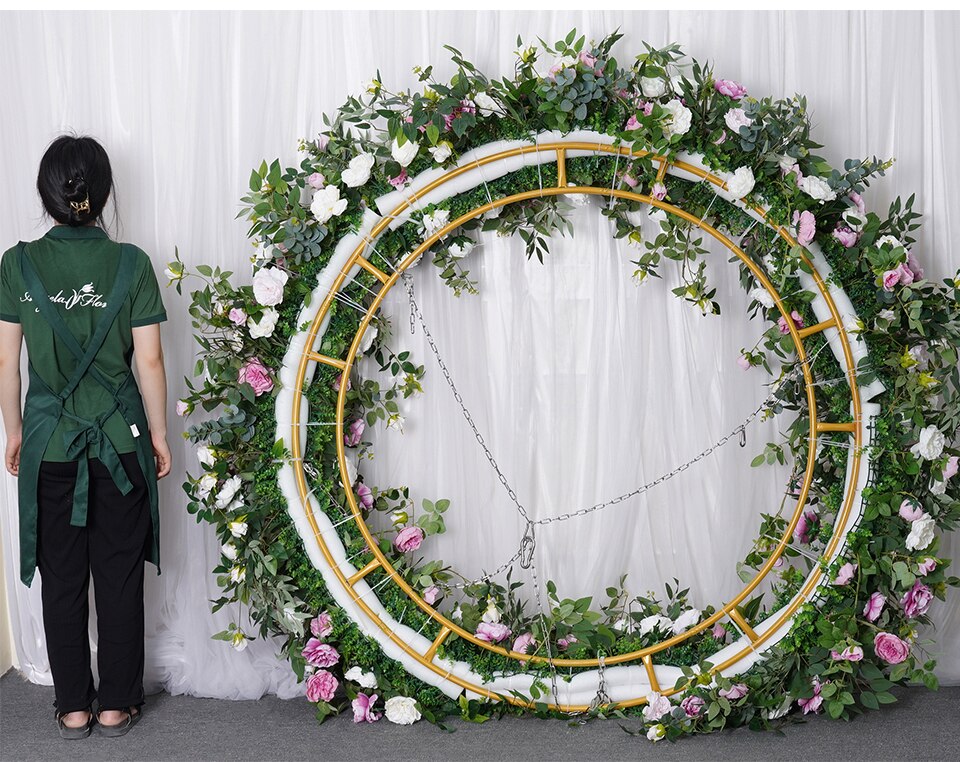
{"x": 714, "y": 161}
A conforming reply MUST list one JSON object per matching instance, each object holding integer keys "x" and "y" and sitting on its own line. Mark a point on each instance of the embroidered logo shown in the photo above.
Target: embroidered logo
{"x": 85, "y": 297}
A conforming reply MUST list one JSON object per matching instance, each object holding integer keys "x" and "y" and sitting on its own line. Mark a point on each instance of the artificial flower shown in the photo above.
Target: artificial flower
{"x": 874, "y": 606}
{"x": 408, "y": 539}
{"x": 265, "y": 326}
{"x": 653, "y": 87}
{"x": 916, "y": 601}
{"x": 736, "y": 118}
{"x": 492, "y": 632}
{"x": 921, "y": 533}
{"x": 741, "y": 182}
{"x": 256, "y": 374}
{"x": 890, "y": 648}
{"x": 930, "y": 445}
{"x": 817, "y": 188}
{"x": 485, "y": 103}
{"x": 657, "y": 706}
{"x": 321, "y": 686}
{"x": 730, "y": 88}
{"x": 322, "y": 625}
{"x": 679, "y": 118}
{"x": 354, "y": 432}
{"x": 358, "y": 170}
{"x": 320, "y": 654}
{"x": 268, "y": 285}
{"x": 362, "y": 707}
{"x": 405, "y": 153}
{"x": 363, "y": 679}
{"x": 327, "y": 203}
{"x": 401, "y": 710}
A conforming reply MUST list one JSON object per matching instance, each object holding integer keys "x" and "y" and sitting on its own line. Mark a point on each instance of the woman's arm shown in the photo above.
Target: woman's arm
{"x": 11, "y": 336}
{"x": 148, "y": 355}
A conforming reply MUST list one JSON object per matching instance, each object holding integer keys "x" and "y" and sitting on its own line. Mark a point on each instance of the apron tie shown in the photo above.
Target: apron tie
{"x": 78, "y": 441}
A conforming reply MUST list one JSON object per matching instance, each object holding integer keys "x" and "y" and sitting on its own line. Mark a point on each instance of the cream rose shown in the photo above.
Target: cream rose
{"x": 266, "y": 326}
{"x": 358, "y": 170}
{"x": 206, "y": 456}
{"x": 741, "y": 182}
{"x": 401, "y": 710}
{"x": 227, "y": 491}
{"x": 921, "y": 533}
{"x": 205, "y": 485}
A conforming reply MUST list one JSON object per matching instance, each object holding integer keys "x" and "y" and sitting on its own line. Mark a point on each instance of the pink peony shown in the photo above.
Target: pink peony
{"x": 692, "y": 706}
{"x": 890, "y": 279}
{"x": 874, "y": 606}
{"x": 566, "y": 641}
{"x": 719, "y": 632}
{"x": 523, "y": 643}
{"x": 363, "y": 708}
{"x": 845, "y": 574}
{"x": 910, "y": 510}
{"x": 916, "y": 600}
{"x": 744, "y": 362}
{"x": 847, "y": 237}
{"x": 850, "y": 653}
{"x": 431, "y": 594}
{"x": 400, "y": 180}
{"x": 321, "y": 686}
{"x": 814, "y": 703}
{"x": 906, "y": 274}
{"x": 408, "y": 539}
{"x": 320, "y": 654}
{"x": 237, "y": 316}
{"x": 806, "y": 526}
{"x": 365, "y": 495}
{"x": 730, "y": 88}
{"x": 322, "y": 625}
{"x": 354, "y": 432}
{"x": 914, "y": 266}
{"x": 588, "y": 60}
{"x": 735, "y": 691}
{"x": 926, "y": 566}
{"x": 628, "y": 179}
{"x": 659, "y": 191}
{"x": 951, "y": 468}
{"x": 806, "y": 225}
{"x": 257, "y": 375}
{"x": 784, "y": 327}
{"x": 890, "y": 648}
{"x": 338, "y": 380}
{"x": 492, "y": 632}
{"x": 632, "y": 123}
{"x": 316, "y": 181}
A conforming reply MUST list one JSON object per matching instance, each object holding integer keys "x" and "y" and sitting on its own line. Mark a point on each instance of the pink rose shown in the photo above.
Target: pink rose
{"x": 659, "y": 191}
{"x": 492, "y": 632}
{"x": 647, "y": 107}
{"x": 914, "y": 266}
{"x": 797, "y": 321}
{"x": 890, "y": 648}
{"x": 692, "y": 706}
{"x": 722, "y": 139}
{"x": 256, "y": 374}
{"x": 338, "y": 380}
{"x": 850, "y": 653}
{"x": 400, "y": 180}
{"x": 916, "y": 600}
{"x": 321, "y": 686}
{"x": 926, "y": 566}
{"x": 735, "y": 691}
{"x": 523, "y": 643}
{"x": 845, "y": 574}
{"x": 316, "y": 181}
{"x": 354, "y": 432}
{"x": 874, "y": 606}
{"x": 588, "y": 60}
{"x": 322, "y": 625}
{"x": 806, "y": 225}
{"x": 628, "y": 179}
{"x": 890, "y": 279}
{"x": 951, "y": 468}
{"x": 910, "y": 510}
{"x": 906, "y": 274}
{"x": 719, "y": 632}
{"x": 431, "y": 594}
{"x": 363, "y": 708}
{"x": 814, "y": 703}
{"x": 566, "y": 641}
{"x": 730, "y": 88}
{"x": 237, "y": 316}
{"x": 632, "y": 123}
{"x": 857, "y": 200}
{"x": 806, "y": 526}
{"x": 182, "y": 408}
{"x": 365, "y": 494}
{"x": 320, "y": 654}
{"x": 321, "y": 142}
{"x": 847, "y": 237}
{"x": 408, "y": 539}
{"x": 744, "y": 362}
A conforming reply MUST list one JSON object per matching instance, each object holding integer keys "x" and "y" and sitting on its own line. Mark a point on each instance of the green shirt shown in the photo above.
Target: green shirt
{"x": 78, "y": 265}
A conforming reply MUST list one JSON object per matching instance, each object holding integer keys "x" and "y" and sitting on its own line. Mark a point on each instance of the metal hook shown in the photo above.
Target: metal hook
{"x": 527, "y": 546}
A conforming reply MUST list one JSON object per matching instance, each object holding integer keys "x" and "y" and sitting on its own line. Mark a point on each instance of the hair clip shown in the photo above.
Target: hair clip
{"x": 81, "y": 206}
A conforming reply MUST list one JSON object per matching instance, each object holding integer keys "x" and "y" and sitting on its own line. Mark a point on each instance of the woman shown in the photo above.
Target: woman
{"x": 88, "y": 448}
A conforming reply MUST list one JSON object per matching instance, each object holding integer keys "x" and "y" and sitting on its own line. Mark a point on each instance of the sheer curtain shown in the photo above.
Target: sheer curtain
{"x": 583, "y": 384}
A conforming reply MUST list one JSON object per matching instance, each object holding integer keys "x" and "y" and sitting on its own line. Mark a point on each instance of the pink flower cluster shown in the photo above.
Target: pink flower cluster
{"x": 321, "y": 685}
{"x": 784, "y": 326}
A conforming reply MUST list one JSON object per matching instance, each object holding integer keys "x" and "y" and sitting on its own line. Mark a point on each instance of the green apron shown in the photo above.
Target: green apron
{"x": 43, "y": 408}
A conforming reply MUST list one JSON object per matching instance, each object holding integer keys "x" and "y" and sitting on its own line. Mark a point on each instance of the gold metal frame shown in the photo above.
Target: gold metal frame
{"x": 729, "y": 610}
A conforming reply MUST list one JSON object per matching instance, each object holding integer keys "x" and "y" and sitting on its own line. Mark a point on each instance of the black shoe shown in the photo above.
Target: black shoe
{"x": 113, "y": 731}
{"x": 72, "y": 734}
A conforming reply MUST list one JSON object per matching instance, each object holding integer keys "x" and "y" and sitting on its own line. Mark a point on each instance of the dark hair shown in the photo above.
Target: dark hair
{"x": 75, "y": 180}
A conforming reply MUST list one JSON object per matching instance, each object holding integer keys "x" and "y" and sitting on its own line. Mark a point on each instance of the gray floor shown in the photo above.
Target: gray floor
{"x": 921, "y": 726}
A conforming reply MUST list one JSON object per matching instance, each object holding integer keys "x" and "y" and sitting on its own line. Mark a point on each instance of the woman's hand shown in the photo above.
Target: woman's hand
{"x": 12, "y": 455}
{"x": 162, "y": 454}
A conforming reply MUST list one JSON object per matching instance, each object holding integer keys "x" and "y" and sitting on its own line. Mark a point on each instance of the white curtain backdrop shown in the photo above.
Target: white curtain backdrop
{"x": 583, "y": 384}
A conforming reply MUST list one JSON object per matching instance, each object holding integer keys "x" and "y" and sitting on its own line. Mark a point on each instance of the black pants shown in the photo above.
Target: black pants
{"x": 113, "y": 546}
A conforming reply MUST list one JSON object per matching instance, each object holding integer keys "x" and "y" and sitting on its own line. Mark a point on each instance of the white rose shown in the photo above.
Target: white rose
{"x": 205, "y": 455}
{"x": 679, "y": 118}
{"x": 657, "y": 706}
{"x": 437, "y": 219}
{"x": 238, "y": 574}
{"x": 485, "y": 103}
{"x": 459, "y": 251}
{"x": 492, "y": 614}
{"x": 401, "y": 710}
{"x": 396, "y": 421}
{"x": 741, "y": 182}
{"x": 921, "y": 533}
{"x": 930, "y": 445}
{"x": 854, "y": 219}
{"x": 266, "y": 326}
{"x": 441, "y": 152}
{"x": 938, "y": 486}
{"x": 737, "y": 118}
{"x": 229, "y": 550}
{"x": 227, "y": 491}
{"x": 268, "y": 286}
{"x": 788, "y": 164}
{"x": 236, "y": 340}
{"x": 367, "y": 341}
{"x": 656, "y": 733}
{"x": 404, "y": 154}
{"x": 364, "y": 679}
{"x": 358, "y": 170}
{"x": 653, "y": 87}
{"x": 687, "y": 619}
{"x": 239, "y": 641}
{"x": 763, "y": 296}
{"x": 327, "y": 203}
{"x": 238, "y": 528}
{"x": 648, "y": 624}
{"x": 205, "y": 485}
{"x": 351, "y": 471}
{"x": 892, "y": 242}
{"x": 817, "y": 188}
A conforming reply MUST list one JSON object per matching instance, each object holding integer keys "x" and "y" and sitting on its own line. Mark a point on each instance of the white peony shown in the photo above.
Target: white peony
{"x": 227, "y": 491}
{"x": 687, "y": 619}
{"x": 737, "y": 118}
{"x": 266, "y": 326}
{"x": 653, "y": 87}
{"x": 268, "y": 286}
{"x": 648, "y": 624}
{"x": 404, "y": 154}
{"x": 205, "y": 485}
{"x": 921, "y": 533}
{"x": 327, "y": 203}
{"x": 760, "y": 294}
{"x": 441, "y": 151}
{"x": 788, "y": 164}
{"x": 741, "y": 182}
{"x": 930, "y": 445}
{"x": 485, "y": 103}
{"x": 237, "y": 528}
{"x": 206, "y": 455}
{"x": 401, "y": 710}
{"x": 817, "y": 188}
{"x": 435, "y": 220}
{"x": 890, "y": 241}
{"x": 657, "y": 706}
{"x": 679, "y": 118}
{"x": 364, "y": 679}
{"x": 358, "y": 170}
{"x": 229, "y": 550}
